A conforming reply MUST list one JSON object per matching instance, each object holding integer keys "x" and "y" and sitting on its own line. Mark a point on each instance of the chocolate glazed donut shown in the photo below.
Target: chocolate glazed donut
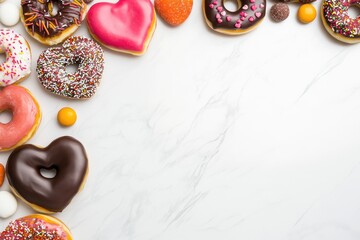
{"x": 44, "y": 25}
{"x": 48, "y": 195}
{"x": 249, "y": 14}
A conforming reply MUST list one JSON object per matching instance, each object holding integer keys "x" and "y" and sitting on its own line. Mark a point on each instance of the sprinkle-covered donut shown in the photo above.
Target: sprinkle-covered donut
{"x": 52, "y": 63}
{"x": 243, "y": 20}
{"x": 50, "y": 27}
{"x": 36, "y": 226}
{"x": 336, "y": 19}
{"x": 18, "y": 57}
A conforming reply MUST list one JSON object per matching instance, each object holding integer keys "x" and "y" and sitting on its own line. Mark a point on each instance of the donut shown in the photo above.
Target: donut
{"x": 17, "y": 65}
{"x": 65, "y": 155}
{"x": 26, "y": 117}
{"x": 336, "y": 20}
{"x": 249, "y": 15}
{"x": 52, "y": 63}
{"x": 36, "y": 226}
{"x": 46, "y": 25}
{"x": 126, "y": 26}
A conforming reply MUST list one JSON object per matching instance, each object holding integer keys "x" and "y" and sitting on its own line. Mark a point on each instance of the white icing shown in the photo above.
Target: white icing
{"x": 8, "y": 204}
{"x": 9, "y": 14}
{"x": 18, "y": 57}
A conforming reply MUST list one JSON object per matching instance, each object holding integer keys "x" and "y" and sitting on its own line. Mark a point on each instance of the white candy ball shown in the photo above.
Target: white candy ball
{"x": 9, "y": 14}
{"x": 8, "y": 204}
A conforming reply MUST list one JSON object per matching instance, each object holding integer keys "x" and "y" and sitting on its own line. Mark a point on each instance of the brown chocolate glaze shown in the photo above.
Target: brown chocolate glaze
{"x": 250, "y": 12}
{"x": 38, "y": 16}
{"x": 66, "y": 155}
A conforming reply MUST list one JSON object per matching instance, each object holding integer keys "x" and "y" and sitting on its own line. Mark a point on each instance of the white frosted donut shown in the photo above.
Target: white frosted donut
{"x": 18, "y": 57}
{"x": 9, "y": 14}
{"x": 8, "y": 204}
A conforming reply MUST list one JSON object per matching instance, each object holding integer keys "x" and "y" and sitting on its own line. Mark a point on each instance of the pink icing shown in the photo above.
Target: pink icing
{"x": 124, "y": 25}
{"x": 33, "y": 227}
{"x": 24, "y": 110}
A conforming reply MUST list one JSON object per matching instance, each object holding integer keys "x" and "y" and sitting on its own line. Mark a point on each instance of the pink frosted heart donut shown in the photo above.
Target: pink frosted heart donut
{"x": 26, "y": 117}
{"x": 18, "y": 57}
{"x": 126, "y": 26}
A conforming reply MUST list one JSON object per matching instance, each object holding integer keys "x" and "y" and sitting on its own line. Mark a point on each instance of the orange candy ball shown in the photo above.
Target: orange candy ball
{"x": 2, "y": 174}
{"x": 67, "y": 116}
{"x": 174, "y": 12}
{"x": 306, "y": 13}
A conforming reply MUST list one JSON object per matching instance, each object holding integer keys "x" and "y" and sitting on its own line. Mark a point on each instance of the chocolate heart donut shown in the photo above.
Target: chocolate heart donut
{"x": 52, "y": 63}
{"x": 66, "y": 155}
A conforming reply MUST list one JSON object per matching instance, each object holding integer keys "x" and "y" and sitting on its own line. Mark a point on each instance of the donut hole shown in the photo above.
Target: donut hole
{"x": 232, "y": 5}
{"x": 354, "y": 11}
{"x": 72, "y": 68}
{"x": 53, "y": 8}
{"x": 2, "y": 57}
{"x": 48, "y": 172}
{"x": 5, "y": 116}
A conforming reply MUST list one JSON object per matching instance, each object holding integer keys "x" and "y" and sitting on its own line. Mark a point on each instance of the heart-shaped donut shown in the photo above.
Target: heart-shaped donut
{"x": 52, "y": 63}
{"x": 48, "y": 195}
{"x": 126, "y": 26}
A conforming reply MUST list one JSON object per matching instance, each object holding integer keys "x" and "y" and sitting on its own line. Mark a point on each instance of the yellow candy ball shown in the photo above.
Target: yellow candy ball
{"x": 306, "y": 13}
{"x": 66, "y": 116}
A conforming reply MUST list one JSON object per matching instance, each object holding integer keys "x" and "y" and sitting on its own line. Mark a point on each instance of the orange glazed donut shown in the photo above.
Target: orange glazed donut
{"x": 37, "y": 227}
{"x": 26, "y": 116}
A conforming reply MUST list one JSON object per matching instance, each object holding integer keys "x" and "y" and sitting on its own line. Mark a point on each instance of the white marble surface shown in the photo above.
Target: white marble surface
{"x": 213, "y": 137}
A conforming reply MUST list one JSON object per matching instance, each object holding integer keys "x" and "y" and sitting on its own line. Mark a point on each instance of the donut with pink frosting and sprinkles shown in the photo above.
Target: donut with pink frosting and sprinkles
{"x": 18, "y": 57}
{"x": 338, "y": 22}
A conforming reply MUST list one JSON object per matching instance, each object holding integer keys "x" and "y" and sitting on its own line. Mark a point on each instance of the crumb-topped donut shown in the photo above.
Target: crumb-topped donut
{"x": 18, "y": 57}
{"x": 249, "y": 15}
{"x": 26, "y": 116}
{"x": 336, "y": 19}
{"x": 47, "y": 26}
{"x": 36, "y": 226}
{"x": 52, "y": 63}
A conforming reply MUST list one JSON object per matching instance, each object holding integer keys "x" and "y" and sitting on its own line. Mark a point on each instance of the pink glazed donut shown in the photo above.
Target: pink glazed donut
{"x": 26, "y": 117}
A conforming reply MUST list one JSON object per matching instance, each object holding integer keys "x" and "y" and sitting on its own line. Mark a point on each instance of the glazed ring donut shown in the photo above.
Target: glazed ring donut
{"x": 18, "y": 57}
{"x": 249, "y": 15}
{"x": 36, "y": 226}
{"x": 336, "y": 19}
{"x": 48, "y": 27}
{"x": 26, "y": 116}
{"x": 52, "y": 63}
